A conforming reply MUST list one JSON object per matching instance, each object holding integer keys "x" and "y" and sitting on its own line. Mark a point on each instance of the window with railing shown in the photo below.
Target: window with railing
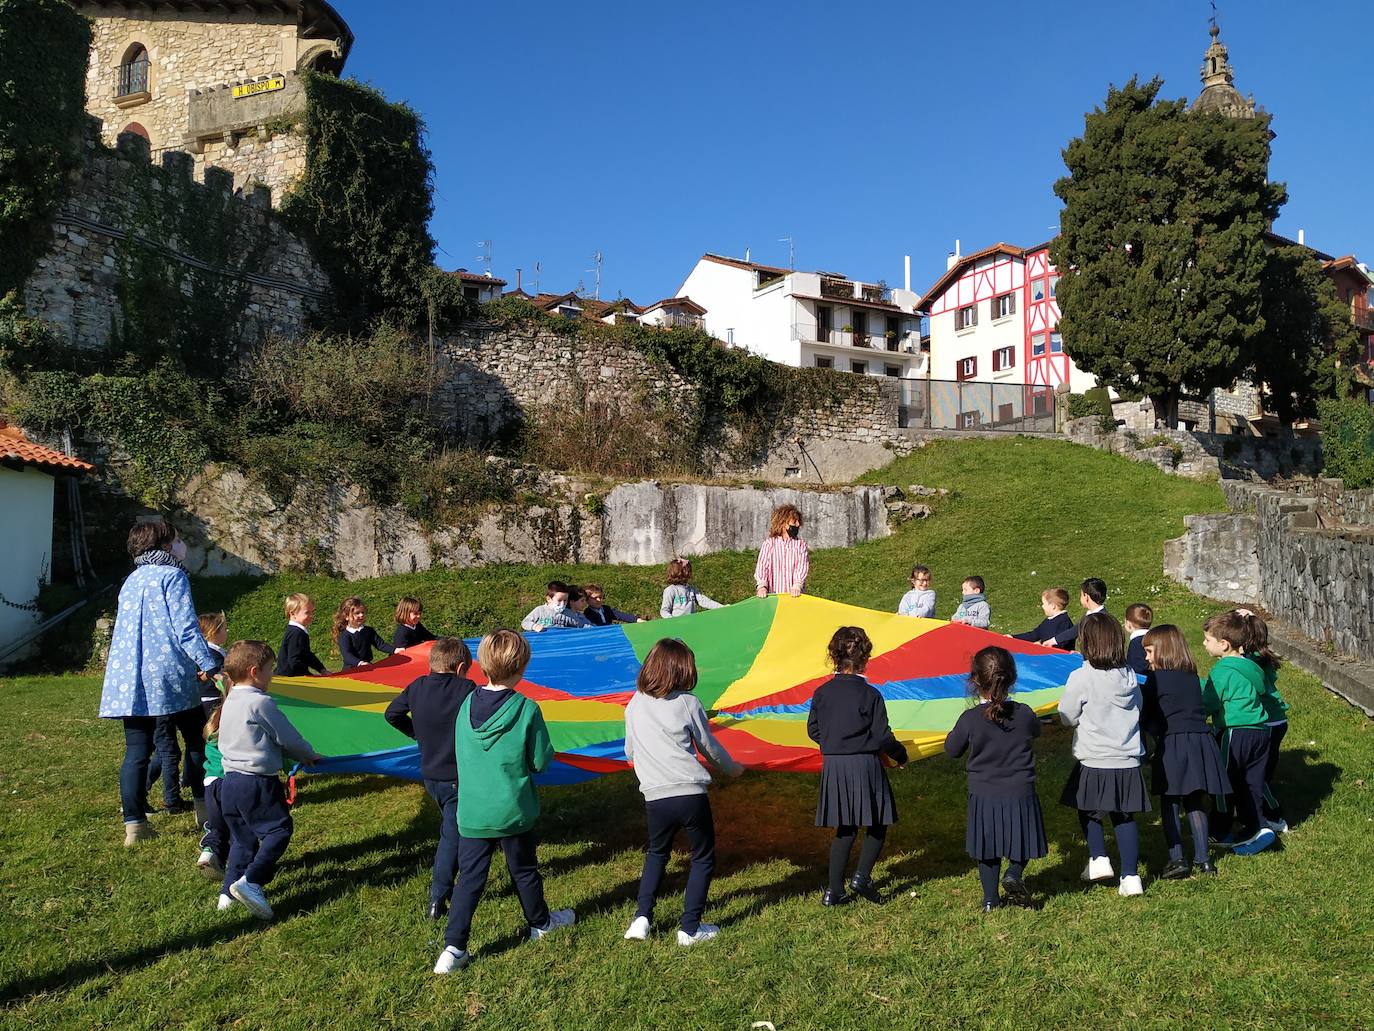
{"x": 860, "y": 329}
{"x": 131, "y": 77}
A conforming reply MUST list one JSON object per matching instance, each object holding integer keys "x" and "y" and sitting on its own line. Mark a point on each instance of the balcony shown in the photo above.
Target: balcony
{"x": 841, "y": 289}
{"x": 1364, "y": 319}
{"x": 131, "y": 83}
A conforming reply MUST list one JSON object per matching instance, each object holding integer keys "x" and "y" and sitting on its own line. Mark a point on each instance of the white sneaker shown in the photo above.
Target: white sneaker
{"x": 136, "y": 831}
{"x": 1130, "y": 886}
{"x": 208, "y": 866}
{"x": 225, "y": 902}
{"x": 639, "y": 929}
{"x": 252, "y": 896}
{"x": 1099, "y": 868}
{"x": 558, "y": 918}
{"x": 705, "y": 932}
{"x": 1279, "y": 826}
{"x": 451, "y": 959}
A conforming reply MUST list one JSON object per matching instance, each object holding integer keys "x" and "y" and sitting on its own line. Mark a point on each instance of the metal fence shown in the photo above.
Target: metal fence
{"x": 942, "y": 404}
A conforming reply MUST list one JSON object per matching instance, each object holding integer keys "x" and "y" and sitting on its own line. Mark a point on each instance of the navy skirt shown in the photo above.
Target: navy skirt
{"x": 1003, "y": 827}
{"x": 854, "y": 792}
{"x": 1106, "y": 791}
{"x": 1189, "y": 762}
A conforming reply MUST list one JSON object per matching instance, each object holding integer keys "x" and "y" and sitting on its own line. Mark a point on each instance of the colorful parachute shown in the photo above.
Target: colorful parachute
{"x": 759, "y": 662}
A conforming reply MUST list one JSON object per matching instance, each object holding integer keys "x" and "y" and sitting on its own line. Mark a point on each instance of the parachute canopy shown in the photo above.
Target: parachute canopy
{"x": 758, "y": 662}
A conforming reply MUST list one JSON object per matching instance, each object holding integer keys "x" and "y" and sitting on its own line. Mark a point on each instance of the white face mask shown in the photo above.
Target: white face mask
{"x": 179, "y": 550}
{"x": 558, "y": 606}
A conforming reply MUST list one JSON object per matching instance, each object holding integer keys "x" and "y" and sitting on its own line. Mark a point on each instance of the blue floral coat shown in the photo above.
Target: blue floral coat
{"x": 157, "y": 647}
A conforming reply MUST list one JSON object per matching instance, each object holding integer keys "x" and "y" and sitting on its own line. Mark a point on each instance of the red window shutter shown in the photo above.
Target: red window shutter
{"x": 1011, "y": 357}
{"x": 973, "y": 369}
{"x": 997, "y": 361}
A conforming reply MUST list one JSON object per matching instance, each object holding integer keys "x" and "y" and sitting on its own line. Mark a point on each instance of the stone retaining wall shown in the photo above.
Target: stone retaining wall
{"x": 1200, "y": 455}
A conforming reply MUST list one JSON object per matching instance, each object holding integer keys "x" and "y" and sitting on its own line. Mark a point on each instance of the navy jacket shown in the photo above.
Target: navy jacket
{"x": 1052, "y": 627}
{"x": 357, "y": 648}
{"x": 426, "y": 711}
{"x": 408, "y": 637}
{"x": 1171, "y": 703}
{"x": 1135, "y": 656}
{"x": 295, "y": 658}
{"x": 849, "y": 717}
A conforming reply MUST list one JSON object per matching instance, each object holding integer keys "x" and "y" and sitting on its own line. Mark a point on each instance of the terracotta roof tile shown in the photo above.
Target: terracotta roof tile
{"x": 722, "y": 259}
{"x": 17, "y": 450}
{"x": 476, "y": 277}
{"x": 678, "y": 302}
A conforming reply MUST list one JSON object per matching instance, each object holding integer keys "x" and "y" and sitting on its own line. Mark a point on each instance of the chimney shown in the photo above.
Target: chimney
{"x": 953, "y": 258}
{"x": 906, "y": 278}
{"x": 517, "y": 279}
{"x": 1302, "y": 237}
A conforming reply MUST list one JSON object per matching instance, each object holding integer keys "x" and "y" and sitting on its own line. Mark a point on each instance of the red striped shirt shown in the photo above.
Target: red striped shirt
{"x": 783, "y": 563}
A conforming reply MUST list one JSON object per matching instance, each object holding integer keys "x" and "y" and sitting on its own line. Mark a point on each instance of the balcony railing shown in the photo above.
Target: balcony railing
{"x": 841, "y": 289}
{"x": 902, "y": 343}
{"x": 1364, "y": 319}
{"x": 131, "y": 78}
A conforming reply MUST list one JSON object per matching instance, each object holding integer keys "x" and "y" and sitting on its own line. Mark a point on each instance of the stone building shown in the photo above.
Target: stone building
{"x": 210, "y": 76}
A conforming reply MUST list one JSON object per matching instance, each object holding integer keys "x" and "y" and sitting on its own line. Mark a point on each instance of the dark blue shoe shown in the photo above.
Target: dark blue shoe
{"x": 1262, "y": 839}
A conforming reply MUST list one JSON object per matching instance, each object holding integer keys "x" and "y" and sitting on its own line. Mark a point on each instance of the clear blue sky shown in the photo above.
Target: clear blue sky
{"x": 865, "y": 131}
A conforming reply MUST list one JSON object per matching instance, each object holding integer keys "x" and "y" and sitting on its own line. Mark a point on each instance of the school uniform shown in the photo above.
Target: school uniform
{"x": 1004, "y": 816}
{"x": 848, "y": 720}
{"x": 356, "y": 645}
{"x": 1048, "y": 628}
{"x": 1276, "y": 711}
{"x": 410, "y": 636}
{"x": 1186, "y": 757}
{"x": 295, "y": 658}
{"x": 210, "y": 695}
{"x": 1068, "y": 637}
{"x": 605, "y": 616}
{"x": 1103, "y": 707}
{"x": 215, "y": 836}
{"x": 1231, "y": 697}
{"x": 1135, "y": 653}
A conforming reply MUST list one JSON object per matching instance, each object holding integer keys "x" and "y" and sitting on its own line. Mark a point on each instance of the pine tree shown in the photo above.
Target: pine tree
{"x": 1161, "y": 246}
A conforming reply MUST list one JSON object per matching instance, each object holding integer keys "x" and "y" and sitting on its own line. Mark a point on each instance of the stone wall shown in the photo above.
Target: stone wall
{"x": 76, "y": 286}
{"x": 1201, "y": 455}
{"x": 1217, "y": 557}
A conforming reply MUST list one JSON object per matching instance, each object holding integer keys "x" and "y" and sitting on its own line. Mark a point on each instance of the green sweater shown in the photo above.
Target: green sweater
{"x": 214, "y": 762}
{"x": 1232, "y": 694}
{"x": 496, "y": 766}
{"x": 1275, "y": 708}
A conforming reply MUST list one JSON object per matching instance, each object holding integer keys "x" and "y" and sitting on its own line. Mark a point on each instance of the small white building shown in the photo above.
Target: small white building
{"x": 674, "y": 311}
{"x": 26, "y": 506}
{"x": 477, "y": 287}
{"x": 819, "y": 319}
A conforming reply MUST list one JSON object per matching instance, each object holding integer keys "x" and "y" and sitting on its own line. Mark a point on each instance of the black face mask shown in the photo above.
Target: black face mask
{"x": 792, "y": 531}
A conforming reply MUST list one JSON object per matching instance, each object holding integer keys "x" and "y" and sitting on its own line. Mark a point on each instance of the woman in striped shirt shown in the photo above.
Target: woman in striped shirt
{"x": 784, "y": 561}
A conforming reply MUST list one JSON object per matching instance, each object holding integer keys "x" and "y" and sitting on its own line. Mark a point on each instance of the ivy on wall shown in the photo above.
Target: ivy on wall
{"x": 43, "y": 51}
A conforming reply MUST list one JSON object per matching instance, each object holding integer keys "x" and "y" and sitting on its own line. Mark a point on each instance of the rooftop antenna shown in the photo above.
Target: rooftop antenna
{"x": 596, "y": 260}
{"x": 537, "y": 269}
{"x": 485, "y": 254}
{"x": 791, "y": 252}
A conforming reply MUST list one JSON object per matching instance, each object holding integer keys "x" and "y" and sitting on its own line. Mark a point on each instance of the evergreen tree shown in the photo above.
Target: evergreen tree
{"x": 1161, "y": 245}
{"x": 1309, "y": 344}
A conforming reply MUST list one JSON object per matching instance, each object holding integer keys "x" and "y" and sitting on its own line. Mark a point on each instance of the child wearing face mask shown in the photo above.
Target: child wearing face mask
{"x": 554, "y": 612}
{"x": 784, "y": 560}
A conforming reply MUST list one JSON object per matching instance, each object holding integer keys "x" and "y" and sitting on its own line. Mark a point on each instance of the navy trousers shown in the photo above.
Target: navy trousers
{"x": 667, "y": 816}
{"x": 1245, "y": 759}
{"x": 474, "y": 865}
{"x": 139, "y": 734}
{"x": 445, "y": 795}
{"x": 216, "y": 836}
{"x": 260, "y": 826}
{"x": 1271, "y": 767}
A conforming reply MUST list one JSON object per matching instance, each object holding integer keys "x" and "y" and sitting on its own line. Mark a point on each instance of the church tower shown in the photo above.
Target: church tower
{"x": 1219, "y": 95}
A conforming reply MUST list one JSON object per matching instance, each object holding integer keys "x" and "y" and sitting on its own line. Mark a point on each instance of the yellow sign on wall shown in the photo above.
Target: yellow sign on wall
{"x": 252, "y": 89}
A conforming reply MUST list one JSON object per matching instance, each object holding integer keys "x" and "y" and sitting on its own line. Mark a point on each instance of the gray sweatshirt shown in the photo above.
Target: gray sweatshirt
{"x": 683, "y": 600}
{"x": 974, "y": 611}
{"x": 253, "y": 733}
{"x": 547, "y": 616}
{"x": 1103, "y": 707}
{"x": 662, "y": 737}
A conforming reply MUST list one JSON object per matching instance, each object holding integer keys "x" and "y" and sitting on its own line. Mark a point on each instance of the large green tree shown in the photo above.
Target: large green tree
{"x": 1308, "y": 344}
{"x": 1161, "y": 247}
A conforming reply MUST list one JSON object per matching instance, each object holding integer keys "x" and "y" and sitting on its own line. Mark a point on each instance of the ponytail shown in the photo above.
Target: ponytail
{"x": 991, "y": 679}
{"x": 1257, "y": 641}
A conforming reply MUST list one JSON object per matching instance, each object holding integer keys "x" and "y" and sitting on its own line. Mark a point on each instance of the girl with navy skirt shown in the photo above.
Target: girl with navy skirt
{"x": 1101, "y": 701}
{"x": 1004, "y": 817}
{"x": 849, "y": 721}
{"x": 1187, "y": 764}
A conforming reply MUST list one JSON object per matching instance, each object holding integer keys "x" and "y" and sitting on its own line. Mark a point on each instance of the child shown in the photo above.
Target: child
{"x": 680, "y": 598}
{"x": 665, "y": 728}
{"x": 849, "y": 721}
{"x": 409, "y": 630}
{"x": 601, "y": 614}
{"x": 1187, "y": 765}
{"x": 296, "y": 658}
{"x": 214, "y": 841}
{"x": 253, "y": 735}
{"x": 1101, "y": 701}
{"x": 1231, "y": 697}
{"x": 784, "y": 560}
{"x": 426, "y": 711}
{"x": 214, "y": 627}
{"x": 577, "y": 606}
{"x": 355, "y": 638}
{"x": 1054, "y": 603}
{"x": 554, "y": 612}
{"x": 974, "y": 609}
{"x": 500, "y": 744}
{"x": 1092, "y": 596}
{"x": 1138, "y": 619}
{"x": 920, "y": 600}
{"x": 1004, "y": 816}
{"x": 1275, "y": 708}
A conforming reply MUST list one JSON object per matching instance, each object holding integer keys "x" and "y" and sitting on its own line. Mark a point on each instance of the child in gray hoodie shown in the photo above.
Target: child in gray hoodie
{"x": 665, "y": 727}
{"x": 1101, "y": 701}
{"x": 973, "y": 609}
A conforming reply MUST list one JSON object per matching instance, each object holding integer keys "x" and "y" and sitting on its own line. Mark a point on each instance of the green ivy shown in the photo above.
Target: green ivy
{"x": 1348, "y": 441}
{"x": 43, "y": 52}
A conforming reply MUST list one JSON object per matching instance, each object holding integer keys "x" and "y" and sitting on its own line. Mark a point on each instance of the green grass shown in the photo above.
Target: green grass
{"x": 92, "y": 935}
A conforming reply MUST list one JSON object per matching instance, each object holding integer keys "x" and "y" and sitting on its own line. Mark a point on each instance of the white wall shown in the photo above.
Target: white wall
{"x": 761, "y": 320}
{"x": 26, "y": 529}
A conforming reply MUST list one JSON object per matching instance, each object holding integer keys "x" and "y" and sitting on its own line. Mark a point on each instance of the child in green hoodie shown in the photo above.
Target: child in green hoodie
{"x": 500, "y": 742}
{"x": 1257, "y": 649}
{"x": 1231, "y": 697}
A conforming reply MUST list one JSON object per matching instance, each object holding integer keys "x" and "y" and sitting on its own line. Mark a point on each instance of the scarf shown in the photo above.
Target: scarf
{"x": 970, "y": 599}
{"x": 158, "y": 557}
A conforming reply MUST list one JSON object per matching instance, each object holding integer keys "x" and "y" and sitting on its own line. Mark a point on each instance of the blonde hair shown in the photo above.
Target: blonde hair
{"x": 211, "y": 622}
{"x": 447, "y": 654}
{"x": 407, "y": 607}
{"x": 503, "y": 654}
{"x": 1057, "y": 595}
{"x": 296, "y": 603}
{"x": 782, "y": 518}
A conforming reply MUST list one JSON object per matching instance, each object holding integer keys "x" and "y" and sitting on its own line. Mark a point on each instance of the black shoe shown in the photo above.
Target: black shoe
{"x": 831, "y": 898}
{"x": 177, "y": 807}
{"x": 863, "y": 887}
{"x": 1016, "y": 892}
{"x": 1177, "y": 870}
{"x": 436, "y": 910}
{"x": 988, "y": 907}
{"x": 1207, "y": 866}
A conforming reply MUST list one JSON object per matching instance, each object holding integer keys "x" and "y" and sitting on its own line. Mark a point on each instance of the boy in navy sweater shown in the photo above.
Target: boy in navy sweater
{"x": 1138, "y": 619}
{"x": 1092, "y": 595}
{"x": 296, "y": 659}
{"x": 1053, "y": 602}
{"x": 426, "y": 711}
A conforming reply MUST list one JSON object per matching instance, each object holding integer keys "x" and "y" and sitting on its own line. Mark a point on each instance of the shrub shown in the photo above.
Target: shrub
{"x": 636, "y": 437}
{"x": 1348, "y": 441}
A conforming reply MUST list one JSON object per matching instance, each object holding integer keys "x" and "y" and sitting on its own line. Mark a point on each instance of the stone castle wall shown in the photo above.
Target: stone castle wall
{"x": 75, "y": 286}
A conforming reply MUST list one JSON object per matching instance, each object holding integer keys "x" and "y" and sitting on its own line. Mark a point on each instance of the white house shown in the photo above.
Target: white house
{"x": 674, "y": 311}
{"x": 477, "y": 287}
{"x": 820, "y": 319}
{"x": 26, "y": 503}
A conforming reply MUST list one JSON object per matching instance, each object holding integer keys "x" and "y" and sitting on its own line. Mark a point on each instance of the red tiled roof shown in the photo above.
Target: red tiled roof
{"x": 477, "y": 277}
{"x": 677, "y": 302}
{"x": 721, "y": 259}
{"x": 957, "y": 269}
{"x": 16, "y": 450}
{"x": 856, "y": 302}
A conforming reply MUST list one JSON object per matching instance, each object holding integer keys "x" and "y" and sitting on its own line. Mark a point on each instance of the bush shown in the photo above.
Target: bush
{"x": 1348, "y": 441}
{"x": 640, "y": 438}
{"x": 1095, "y": 402}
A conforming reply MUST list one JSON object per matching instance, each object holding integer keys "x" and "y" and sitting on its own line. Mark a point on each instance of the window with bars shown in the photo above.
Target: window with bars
{"x": 131, "y": 77}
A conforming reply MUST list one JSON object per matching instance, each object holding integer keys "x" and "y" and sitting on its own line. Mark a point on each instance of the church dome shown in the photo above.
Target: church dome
{"x": 1219, "y": 95}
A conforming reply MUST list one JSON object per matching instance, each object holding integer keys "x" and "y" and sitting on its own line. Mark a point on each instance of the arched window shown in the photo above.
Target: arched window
{"x": 137, "y": 129}
{"x": 132, "y": 77}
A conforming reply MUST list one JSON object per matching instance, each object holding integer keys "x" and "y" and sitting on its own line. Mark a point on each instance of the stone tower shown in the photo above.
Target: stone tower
{"x": 1219, "y": 95}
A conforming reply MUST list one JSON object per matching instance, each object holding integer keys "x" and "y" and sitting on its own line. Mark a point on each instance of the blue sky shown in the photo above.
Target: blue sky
{"x": 865, "y": 131}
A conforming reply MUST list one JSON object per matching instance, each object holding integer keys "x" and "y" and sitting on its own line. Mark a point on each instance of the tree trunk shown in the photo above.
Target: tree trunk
{"x": 1166, "y": 408}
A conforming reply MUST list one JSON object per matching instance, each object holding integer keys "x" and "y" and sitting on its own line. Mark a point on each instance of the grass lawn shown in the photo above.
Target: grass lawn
{"x": 92, "y": 935}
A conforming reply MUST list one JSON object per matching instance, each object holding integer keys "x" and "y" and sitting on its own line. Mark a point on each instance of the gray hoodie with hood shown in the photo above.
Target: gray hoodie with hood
{"x": 1103, "y": 707}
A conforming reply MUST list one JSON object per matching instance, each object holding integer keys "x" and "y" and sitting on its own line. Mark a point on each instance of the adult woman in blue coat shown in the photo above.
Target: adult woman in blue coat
{"x": 156, "y": 656}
